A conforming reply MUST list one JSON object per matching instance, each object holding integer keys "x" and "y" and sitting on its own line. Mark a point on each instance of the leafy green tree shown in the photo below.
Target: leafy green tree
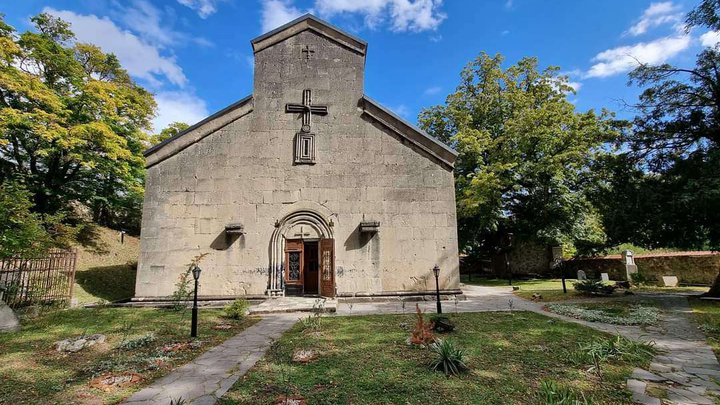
{"x": 525, "y": 154}
{"x": 22, "y": 232}
{"x": 171, "y": 130}
{"x": 72, "y": 121}
{"x": 672, "y": 154}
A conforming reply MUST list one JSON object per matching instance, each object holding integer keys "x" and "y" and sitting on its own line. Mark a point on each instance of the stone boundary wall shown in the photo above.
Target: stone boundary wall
{"x": 692, "y": 268}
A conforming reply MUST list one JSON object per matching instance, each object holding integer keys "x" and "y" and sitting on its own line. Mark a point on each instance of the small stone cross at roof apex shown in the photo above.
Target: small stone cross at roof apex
{"x": 307, "y": 52}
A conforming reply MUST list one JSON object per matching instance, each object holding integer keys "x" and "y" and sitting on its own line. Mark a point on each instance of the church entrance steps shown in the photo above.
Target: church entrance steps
{"x": 292, "y": 304}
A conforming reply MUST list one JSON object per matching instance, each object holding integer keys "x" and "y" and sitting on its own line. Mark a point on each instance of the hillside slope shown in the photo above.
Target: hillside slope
{"x": 105, "y": 267}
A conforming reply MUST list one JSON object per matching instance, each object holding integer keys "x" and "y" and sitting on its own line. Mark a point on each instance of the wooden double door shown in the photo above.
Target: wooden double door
{"x": 310, "y": 267}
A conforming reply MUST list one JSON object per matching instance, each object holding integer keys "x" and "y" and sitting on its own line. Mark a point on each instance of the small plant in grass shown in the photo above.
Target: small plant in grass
{"x": 422, "y": 333}
{"x": 137, "y": 342}
{"x": 617, "y": 348}
{"x": 448, "y": 358}
{"x": 237, "y": 309}
{"x": 179, "y": 401}
{"x": 314, "y": 320}
{"x": 552, "y": 393}
{"x": 593, "y": 287}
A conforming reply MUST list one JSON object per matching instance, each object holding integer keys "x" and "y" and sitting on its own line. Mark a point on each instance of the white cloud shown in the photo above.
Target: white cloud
{"x": 710, "y": 38}
{"x": 140, "y": 58}
{"x": 655, "y": 15}
{"x": 153, "y": 25}
{"x": 401, "y": 110}
{"x": 144, "y": 19}
{"x": 431, "y": 91}
{"x": 625, "y": 58}
{"x": 204, "y": 8}
{"x": 178, "y": 106}
{"x": 278, "y": 12}
{"x": 403, "y": 15}
{"x": 575, "y": 85}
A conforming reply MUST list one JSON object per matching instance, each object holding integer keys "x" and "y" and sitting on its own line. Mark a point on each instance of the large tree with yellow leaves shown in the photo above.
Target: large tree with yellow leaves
{"x": 72, "y": 122}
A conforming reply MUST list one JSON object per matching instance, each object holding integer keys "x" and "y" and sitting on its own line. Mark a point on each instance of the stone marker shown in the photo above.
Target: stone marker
{"x": 629, "y": 262}
{"x": 670, "y": 281}
{"x": 8, "y": 320}
{"x": 74, "y": 345}
{"x": 581, "y": 275}
{"x": 604, "y": 277}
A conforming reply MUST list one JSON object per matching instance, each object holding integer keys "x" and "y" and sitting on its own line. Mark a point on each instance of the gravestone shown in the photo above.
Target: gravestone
{"x": 8, "y": 320}
{"x": 605, "y": 277}
{"x": 629, "y": 262}
{"x": 581, "y": 275}
{"x": 670, "y": 281}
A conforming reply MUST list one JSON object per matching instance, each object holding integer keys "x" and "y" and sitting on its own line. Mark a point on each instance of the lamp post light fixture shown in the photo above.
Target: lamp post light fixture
{"x": 193, "y": 329}
{"x": 436, "y": 270}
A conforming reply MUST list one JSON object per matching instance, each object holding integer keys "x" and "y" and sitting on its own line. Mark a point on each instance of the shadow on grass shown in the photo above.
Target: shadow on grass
{"x": 90, "y": 238}
{"x": 111, "y": 283}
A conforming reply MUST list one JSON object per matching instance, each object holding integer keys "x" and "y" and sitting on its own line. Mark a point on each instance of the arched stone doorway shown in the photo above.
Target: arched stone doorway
{"x": 302, "y": 256}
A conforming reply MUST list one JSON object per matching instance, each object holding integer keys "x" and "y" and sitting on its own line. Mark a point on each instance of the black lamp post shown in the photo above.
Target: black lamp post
{"x": 436, "y": 270}
{"x": 193, "y": 329}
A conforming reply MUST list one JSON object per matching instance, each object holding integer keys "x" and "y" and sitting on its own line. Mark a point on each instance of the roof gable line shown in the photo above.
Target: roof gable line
{"x": 415, "y": 135}
{"x": 197, "y": 132}
{"x": 309, "y": 22}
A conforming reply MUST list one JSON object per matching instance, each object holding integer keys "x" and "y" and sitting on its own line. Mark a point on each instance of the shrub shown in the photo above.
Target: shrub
{"x": 640, "y": 279}
{"x": 183, "y": 288}
{"x": 593, "y": 287}
{"x": 137, "y": 342}
{"x": 441, "y": 323}
{"x": 237, "y": 309}
{"x": 448, "y": 358}
{"x": 552, "y": 393}
{"x": 422, "y": 333}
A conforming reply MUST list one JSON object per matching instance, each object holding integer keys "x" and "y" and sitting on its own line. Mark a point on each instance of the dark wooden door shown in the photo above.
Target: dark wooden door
{"x": 294, "y": 262}
{"x": 311, "y": 267}
{"x": 327, "y": 267}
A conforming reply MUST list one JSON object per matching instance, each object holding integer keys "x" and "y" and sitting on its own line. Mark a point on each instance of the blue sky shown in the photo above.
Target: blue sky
{"x": 195, "y": 55}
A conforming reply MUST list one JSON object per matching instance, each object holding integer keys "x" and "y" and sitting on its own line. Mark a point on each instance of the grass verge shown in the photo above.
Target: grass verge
{"x": 33, "y": 372}
{"x": 365, "y": 360}
{"x": 551, "y": 289}
{"x": 707, "y": 316}
{"x": 614, "y": 313}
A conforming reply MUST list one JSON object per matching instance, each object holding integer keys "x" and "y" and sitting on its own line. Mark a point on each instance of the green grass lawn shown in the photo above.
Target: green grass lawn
{"x": 106, "y": 268}
{"x": 707, "y": 316}
{"x": 365, "y": 360}
{"x": 551, "y": 289}
{"x": 33, "y": 372}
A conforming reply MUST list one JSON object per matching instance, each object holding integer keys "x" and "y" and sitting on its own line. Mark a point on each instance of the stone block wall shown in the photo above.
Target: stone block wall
{"x": 244, "y": 173}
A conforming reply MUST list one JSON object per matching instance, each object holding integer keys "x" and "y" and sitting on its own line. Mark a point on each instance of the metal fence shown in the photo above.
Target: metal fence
{"x": 43, "y": 280}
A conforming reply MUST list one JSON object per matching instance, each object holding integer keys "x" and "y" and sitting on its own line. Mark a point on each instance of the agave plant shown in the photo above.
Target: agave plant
{"x": 448, "y": 358}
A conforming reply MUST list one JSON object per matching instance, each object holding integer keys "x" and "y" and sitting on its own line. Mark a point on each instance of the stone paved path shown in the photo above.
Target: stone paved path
{"x": 208, "y": 377}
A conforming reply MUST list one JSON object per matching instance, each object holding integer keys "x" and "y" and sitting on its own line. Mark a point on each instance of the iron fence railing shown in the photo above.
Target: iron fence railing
{"x": 41, "y": 280}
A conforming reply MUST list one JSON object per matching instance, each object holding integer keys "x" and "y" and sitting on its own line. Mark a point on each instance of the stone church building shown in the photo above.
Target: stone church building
{"x": 306, "y": 187}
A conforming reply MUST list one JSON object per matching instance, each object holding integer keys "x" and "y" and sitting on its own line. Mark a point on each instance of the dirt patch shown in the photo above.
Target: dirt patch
{"x": 283, "y": 400}
{"x": 109, "y": 382}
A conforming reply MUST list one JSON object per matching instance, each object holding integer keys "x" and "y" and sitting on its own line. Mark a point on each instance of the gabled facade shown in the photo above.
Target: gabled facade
{"x": 306, "y": 187}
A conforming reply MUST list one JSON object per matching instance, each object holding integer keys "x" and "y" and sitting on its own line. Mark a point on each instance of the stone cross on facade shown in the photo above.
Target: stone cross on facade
{"x": 307, "y": 52}
{"x": 307, "y": 109}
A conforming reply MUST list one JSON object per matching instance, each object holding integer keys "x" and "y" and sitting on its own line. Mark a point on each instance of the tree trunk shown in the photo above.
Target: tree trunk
{"x": 715, "y": 289}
